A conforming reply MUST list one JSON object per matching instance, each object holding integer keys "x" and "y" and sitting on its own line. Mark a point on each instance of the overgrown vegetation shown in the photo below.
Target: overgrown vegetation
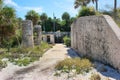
{"x": 86, "y": 11}
{"x": 67, "y": 41}
{"x": 95, "y": 77}
{"x": 2, "y": 64}
{"x": 77, "y": 64}
{"x": 22, "y": 57}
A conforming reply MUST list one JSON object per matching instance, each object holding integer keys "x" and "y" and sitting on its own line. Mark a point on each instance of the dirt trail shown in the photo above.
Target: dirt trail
{"x": 43, "y": 69}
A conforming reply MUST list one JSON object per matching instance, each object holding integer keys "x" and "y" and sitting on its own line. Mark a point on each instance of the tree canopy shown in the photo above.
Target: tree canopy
{"x": 65, "y": 16}
{"x": 8, "y": 23}
{"x": 33, "y": 16}
{"x": 79, "y": 3}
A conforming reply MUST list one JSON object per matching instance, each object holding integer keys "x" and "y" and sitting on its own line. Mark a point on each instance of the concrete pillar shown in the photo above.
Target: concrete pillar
{"x": 27, "y": 34}
{"x": 52, "y": 39}
{"x": 44, "y": 38}
{"x": 38, "y": 34}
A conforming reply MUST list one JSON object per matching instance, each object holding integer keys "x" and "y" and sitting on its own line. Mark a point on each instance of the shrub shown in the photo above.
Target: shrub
{"x": 22, "y": 61}
{"x": 2, "y": 64}
{"x": 77, "y": 64}
{"x": 86, "y": 11}
{"x": 67, "y": 41}
{"x": 95, "y": 77}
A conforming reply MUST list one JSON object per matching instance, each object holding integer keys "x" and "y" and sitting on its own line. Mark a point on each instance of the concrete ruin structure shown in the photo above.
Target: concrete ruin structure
{"x": 54, "y": 37}
{"x": 27, "y": 34}
{"x": 50, "y": 38}
{"x": 37, "y": 34}
{"x": 44, "y": 38}
{"x": 97, "y": 37}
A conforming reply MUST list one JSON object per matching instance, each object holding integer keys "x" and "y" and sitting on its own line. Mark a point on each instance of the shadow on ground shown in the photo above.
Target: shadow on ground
{"x": 72, "y": 53}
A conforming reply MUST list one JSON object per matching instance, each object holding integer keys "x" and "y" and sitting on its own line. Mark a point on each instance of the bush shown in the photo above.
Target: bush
{"x": 3, "y": 64}
{"x": 23, "y": 61}
{"x": 86, "y": 11}
{"x": 77, "y": 64}
{"x": 67, "y": 41}
{"x": 95, "y": 77}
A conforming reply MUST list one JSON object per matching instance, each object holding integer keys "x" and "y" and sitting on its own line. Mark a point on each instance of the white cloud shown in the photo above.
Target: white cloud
{"x": 37, "y": 9}
{"x": 22, "y": 8}
{"x": 10, "y": 2}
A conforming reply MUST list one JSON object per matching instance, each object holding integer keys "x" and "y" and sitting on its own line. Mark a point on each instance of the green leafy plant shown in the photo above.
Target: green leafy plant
{"x": 86, "y": 11}
{"x": 22, "y": 61}
{"x": 67, "y": 41}
{"x": 2, "y": 64}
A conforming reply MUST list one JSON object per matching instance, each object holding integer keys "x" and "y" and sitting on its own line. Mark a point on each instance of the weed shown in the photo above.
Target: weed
{"x": 79, "y": 65}
{"x": 3, "y": 64}
{"x": 24, "y": 56}
{"x": 95, "y": 77}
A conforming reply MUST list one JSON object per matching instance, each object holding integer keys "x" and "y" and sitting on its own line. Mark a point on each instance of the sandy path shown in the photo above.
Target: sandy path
{"x": 43, "y": 69}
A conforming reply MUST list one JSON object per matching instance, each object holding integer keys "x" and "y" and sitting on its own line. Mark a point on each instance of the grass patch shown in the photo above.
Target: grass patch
{"x": 118, "y": 23}
{"x": 23, "y": 57}
{"x": 77, "y": 64}
{"x": 95, "y": 77}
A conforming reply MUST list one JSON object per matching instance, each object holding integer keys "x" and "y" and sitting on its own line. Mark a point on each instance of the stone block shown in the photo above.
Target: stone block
{"x": 97, "y": 37}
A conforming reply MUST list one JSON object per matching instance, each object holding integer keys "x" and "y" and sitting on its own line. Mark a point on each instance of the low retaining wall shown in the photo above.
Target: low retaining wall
{"x": 97, "y": 37}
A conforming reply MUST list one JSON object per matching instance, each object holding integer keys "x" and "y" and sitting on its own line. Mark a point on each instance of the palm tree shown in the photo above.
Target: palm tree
{"x": 33, "y": 16}
{"x": 79, "y": 3}
{"x": 1, "y": 4}
{"x": 96, "y": 2}
{"x": 8, "y": 23}
{"x": 66, "y": 18}
{"x": 43, "y": 18}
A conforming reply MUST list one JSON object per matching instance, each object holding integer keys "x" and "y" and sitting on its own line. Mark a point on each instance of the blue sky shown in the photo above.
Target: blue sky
{"x": 58, "y": 7}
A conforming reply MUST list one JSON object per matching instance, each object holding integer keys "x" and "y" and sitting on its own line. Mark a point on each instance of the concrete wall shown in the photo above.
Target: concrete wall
{"x": 97, "y": 37}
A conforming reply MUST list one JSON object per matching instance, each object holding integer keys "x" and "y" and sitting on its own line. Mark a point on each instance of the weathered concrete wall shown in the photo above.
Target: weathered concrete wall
{"x": 27, "y": 34}
{"x": 52, "y": 38}
{"x": 97, "y": 37}
{"x": 44, "y": 38}
{"x": 38, "y": 34}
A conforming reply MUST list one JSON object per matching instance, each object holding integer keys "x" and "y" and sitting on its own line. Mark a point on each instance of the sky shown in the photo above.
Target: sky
{"x": 58, "y": 7}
